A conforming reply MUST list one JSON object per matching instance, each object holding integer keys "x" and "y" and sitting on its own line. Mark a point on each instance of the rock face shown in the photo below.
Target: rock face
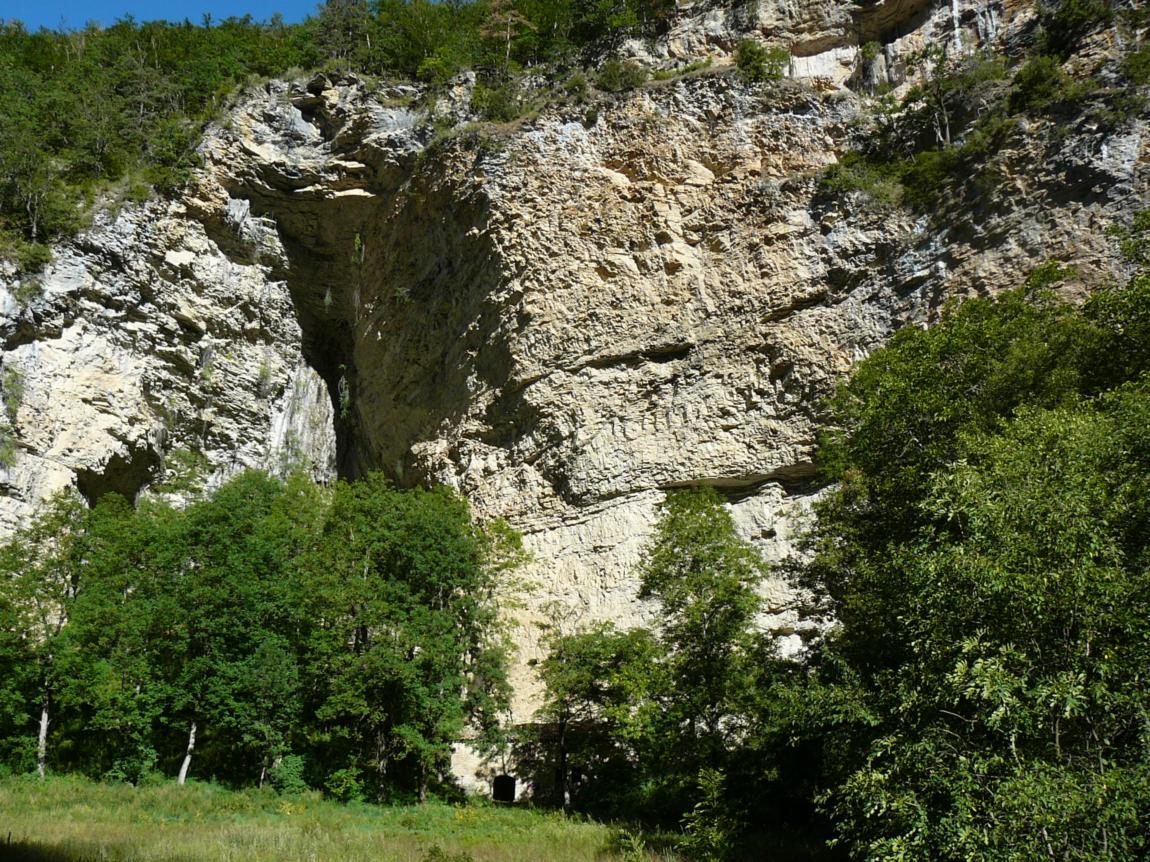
{"x": 562, "y": 320}
{"x": 146, "y": 340}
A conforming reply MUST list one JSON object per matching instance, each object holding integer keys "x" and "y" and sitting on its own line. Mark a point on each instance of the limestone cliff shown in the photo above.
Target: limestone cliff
{"x": 562, "y": 319}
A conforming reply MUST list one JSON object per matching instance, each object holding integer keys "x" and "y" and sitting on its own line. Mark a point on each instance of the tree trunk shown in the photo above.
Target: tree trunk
{"x": 188, "y": 756}
{"x": 42, "y": 740}
{"x": 563, "y": 790}
{"x": 266, "y": 770}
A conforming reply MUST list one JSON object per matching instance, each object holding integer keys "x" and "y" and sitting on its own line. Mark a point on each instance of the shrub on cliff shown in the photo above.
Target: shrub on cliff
{"x": 757, "y": 63}
{"x": 617, "y": 76}
{"x": 1063, "y": 24}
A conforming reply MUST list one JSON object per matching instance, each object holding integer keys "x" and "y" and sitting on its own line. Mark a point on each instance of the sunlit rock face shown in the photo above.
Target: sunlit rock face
{"x": 563, "y": 319}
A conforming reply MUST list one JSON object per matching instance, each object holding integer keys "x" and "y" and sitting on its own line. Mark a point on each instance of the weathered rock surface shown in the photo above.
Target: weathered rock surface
{"x": 563, "y": 320}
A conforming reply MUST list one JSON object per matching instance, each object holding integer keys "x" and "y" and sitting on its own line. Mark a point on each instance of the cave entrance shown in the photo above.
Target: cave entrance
{"x": 125, "y": 475}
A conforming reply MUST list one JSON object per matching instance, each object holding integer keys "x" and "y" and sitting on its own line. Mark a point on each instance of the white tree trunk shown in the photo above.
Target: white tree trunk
{"x": 188, "y": 757}
{"x": 42, "y": 741}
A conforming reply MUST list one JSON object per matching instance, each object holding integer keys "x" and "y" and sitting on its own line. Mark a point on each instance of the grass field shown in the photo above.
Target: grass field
{"x": 73, "y": 820}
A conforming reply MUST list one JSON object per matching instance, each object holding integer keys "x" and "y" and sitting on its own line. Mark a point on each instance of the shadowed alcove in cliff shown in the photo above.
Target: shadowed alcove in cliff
{"x": 390, "y": 271}
{"x": 123, "y": 474}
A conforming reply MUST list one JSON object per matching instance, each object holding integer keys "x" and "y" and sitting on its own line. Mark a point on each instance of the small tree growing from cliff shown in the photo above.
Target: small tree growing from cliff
{"x": 757, "y": 63}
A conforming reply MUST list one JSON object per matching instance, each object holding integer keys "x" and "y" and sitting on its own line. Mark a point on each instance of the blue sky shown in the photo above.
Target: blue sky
{"x": 75, "y": 13}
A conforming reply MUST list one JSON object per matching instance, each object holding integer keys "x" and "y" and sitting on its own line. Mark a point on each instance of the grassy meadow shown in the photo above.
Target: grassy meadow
{"x": 73, "y": 820}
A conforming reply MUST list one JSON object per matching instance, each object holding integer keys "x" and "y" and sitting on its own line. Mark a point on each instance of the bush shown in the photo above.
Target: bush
{"x": 680, "y": 71}
{"x": 287, "y": 776}
{"x": 344, "y": 785}
{"x": 856, "y": 173}
{"x": 1048, "y": 274}
{"x": 1134, "y": 241}
{"x": 438, "y": 68}
{"x": 926, "y": 176}
{"x": 500, "y": 104}
{"x": 33, "y": 256}
{"x": 1067, "y": 22}
{"x": 617, "y": 76}
{"x": 757, "y": 63}
{"x": 577, "y": 87}
{"x": 710, "y": 829}
{"x": 11, "y": 392}
{"x": 136, "y": 768}
{"x": 1136, "y": 66}
{"x": 1040, "y": 84}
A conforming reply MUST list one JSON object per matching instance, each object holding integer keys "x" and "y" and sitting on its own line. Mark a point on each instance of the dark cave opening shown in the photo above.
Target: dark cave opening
{"x": 125, "y": 475}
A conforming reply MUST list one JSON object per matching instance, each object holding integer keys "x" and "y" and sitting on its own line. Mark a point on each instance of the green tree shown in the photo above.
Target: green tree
{"x": 640, "y": 715}
{"x": 1018, "y": 720}
{"x": 984, "y": 554}
{"x": 599, "y": 686}
{"x": 17, "y": 686}
{"x": 41, "y": 576}
{"x": 406, "y": 650}
{"x": 900, "y": 417}
{"x": 267, "y": 626}
{"x": 704, "y": 578}
{"x": 504, "y": 23}
{"x": 222, "y": 605}
{"x": 109, "y": 694}
{"x": 342, "y": 28}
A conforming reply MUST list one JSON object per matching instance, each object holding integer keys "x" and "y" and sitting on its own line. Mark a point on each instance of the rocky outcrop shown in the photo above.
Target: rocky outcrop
{"x": 145, "y": 339}
{"x": 825, "y": 37}
{"x": 562, "y": 320}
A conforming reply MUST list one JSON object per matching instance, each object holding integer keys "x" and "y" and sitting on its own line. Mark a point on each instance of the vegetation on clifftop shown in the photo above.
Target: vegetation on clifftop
{"x": 938, "y": 145}
{"x": 119, "y": 110}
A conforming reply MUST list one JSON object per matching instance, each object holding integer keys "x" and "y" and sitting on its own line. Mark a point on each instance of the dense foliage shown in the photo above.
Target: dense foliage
{"x": 90, "y": 109}
{"x": 986, "y": 555}
{"x": 342, "y": 639}
{"x": 118, "y": 110}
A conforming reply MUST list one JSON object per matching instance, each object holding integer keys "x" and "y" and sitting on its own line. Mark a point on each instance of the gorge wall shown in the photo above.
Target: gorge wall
{"x": 562, "y": 318}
